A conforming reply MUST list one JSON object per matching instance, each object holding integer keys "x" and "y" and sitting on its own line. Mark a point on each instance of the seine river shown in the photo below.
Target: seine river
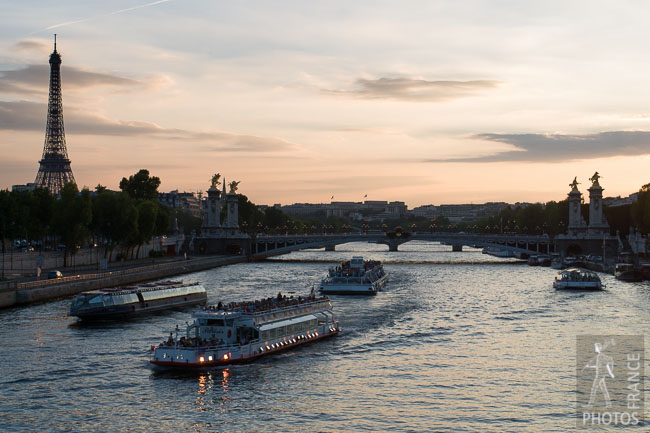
{"x": 454, "y": 342}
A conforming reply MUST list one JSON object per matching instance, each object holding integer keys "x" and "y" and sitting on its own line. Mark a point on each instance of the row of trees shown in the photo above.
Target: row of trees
{"x": 128, "y": 218}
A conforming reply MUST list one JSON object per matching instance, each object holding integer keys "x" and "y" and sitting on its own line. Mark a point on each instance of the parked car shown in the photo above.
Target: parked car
{"x": 54, "y": 274}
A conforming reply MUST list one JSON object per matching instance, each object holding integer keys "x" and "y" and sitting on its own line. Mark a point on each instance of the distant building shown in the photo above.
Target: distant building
{"x": 470, "y": 212}
{"x": 305, "y": 210}
{"x": 343, "y": 208}
{"x": 620, "y": 201}
{"x": 425, "y": 211}
{"x": 28, "y": 187}
{"x": 186, "y": 201}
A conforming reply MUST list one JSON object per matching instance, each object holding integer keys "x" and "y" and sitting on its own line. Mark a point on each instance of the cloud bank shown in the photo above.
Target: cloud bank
{"x": 31, "y": 116}
{"x": 414, "y": 90}
{"x": 561, "y": 147}
{"x": 34, "y": 79}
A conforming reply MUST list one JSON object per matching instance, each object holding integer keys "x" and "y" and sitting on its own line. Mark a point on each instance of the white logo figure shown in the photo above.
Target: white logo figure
{"x": 604, "y": 366}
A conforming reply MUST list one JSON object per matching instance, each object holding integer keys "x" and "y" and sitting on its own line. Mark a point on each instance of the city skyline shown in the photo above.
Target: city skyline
{"x": 438, "y": 103}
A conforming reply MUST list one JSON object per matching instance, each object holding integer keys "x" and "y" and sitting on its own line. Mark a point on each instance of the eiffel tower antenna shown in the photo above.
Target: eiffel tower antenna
{"x": 54, "y": 171}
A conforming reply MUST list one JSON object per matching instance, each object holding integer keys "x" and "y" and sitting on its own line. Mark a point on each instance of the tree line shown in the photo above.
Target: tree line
{"x": 128, "y": 218}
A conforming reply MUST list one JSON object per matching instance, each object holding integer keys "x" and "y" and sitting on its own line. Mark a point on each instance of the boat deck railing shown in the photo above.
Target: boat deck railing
{"x": 276, "y": 310}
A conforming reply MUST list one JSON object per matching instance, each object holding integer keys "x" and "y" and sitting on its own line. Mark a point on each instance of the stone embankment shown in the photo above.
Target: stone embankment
{"x": 14, "y": 293}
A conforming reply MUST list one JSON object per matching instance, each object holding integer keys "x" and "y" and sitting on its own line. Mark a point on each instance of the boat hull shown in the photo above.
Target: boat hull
{"x": 368, "y": 289}
{"x": 214, "y": 357}
{"x": 577, "y": 286}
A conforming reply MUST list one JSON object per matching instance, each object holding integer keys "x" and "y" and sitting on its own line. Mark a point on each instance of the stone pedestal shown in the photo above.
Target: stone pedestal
{"x": 212, "y": 218}
{"x": 577, "y": 224}
{"x": 232, "y": 212}
{"x": 597, "y": 223}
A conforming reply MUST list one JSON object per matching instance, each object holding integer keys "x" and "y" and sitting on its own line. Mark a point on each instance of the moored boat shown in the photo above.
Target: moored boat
{"x": 577, "y": 279}
{"x": 355, "y": 277}
{"x": 241, "y": 332}
{"x": 497, "y": 252}
{"x": 628, "y": 272}
{"x": 119, "y": 302}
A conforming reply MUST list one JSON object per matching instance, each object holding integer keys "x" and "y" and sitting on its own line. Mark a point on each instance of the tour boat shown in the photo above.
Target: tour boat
{"x": 577, "y": 279}
{"x": 241, "y": 332}
{"x": 130, "y": 300}
{"x": 355, "y": 277}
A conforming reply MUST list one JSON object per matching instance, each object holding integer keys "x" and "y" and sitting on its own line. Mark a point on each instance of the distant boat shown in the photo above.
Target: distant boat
{"x": 539, "y": 260}
{"x": 628, "y": 272}
{"x": 497, "y": 252}
{"x": 355, "y": 277}
{"x": 577, "y": 279}
{"x": 119, "y": 302}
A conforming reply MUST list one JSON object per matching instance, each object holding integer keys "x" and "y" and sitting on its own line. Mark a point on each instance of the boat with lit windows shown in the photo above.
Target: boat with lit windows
{"x": 244, "y": 331}
{"x": 355, "y": 277}
{"x": 577, "y": 279}
{"x": 119, "y": 302}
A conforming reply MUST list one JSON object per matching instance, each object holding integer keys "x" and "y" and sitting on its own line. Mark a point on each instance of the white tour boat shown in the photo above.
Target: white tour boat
{"x": 119, "y": 302}
{"x": 355, "y": 277}
{"x": 577, "y": 279}
{"x": 241, "y": 332}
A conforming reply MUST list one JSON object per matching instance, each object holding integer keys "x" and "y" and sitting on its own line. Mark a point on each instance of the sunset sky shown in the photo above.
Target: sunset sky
{"x": 428, "y": 102}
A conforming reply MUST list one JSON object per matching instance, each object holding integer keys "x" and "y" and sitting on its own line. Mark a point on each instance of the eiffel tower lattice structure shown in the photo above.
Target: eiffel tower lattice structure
{"x": 54, "y": 171}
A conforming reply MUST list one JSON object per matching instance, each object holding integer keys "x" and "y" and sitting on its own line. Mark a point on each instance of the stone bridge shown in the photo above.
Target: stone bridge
{"x": 268, "y": 245}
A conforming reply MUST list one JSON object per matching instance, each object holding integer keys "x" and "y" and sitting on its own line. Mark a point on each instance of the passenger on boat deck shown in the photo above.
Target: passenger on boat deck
{"x": 170, "y": 340}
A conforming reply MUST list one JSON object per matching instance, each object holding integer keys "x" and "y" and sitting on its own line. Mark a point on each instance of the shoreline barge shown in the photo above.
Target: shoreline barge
{"x": 20, "y": 294}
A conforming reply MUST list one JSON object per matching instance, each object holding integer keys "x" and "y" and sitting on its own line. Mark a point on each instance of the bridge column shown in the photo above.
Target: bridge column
{"x": 457, "y": 248}
{"x": 330, "y": 248}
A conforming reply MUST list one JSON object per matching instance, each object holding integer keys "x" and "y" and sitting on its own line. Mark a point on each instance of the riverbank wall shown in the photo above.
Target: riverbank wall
{"x": 18, "y": 294}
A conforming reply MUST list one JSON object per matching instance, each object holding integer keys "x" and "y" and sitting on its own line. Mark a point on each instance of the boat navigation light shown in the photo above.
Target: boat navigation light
{"x": 201, "y": 359}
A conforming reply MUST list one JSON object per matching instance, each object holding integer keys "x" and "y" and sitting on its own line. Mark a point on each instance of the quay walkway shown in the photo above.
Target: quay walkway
{"x": 14, "y": 293}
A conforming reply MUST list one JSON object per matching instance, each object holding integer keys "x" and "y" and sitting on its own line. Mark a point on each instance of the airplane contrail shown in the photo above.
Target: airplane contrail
{"x": 67, "y": 23}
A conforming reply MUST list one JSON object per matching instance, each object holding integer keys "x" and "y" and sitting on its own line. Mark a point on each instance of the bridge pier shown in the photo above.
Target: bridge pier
{"x": 330, "y": 248}
{"x": 457, "y": 248}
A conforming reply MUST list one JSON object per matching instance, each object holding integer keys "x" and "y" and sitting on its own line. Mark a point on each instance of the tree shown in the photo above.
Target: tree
{"x": 141, "y": 186}
{"x": 147, "y": 216}
{"x": 641, "y": 209}
{"x": 72, "y": 218}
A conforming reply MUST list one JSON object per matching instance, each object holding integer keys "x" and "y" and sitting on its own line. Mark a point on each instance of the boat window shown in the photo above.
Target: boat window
{"x": 96, "y": 300}
{"x": 215, "y": 322}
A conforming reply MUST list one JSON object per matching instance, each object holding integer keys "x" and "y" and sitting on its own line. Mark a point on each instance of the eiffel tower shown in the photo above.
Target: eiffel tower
{"x": 54, "y": 171}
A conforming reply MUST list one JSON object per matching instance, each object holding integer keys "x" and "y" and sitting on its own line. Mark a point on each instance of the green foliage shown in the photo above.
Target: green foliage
{"x": 249, "y": 215}
{"x": 72, "y": 217}
{"x": 141, "y": 186}
{"x": 641, "y": 210}
{"x": 187, "y": 222}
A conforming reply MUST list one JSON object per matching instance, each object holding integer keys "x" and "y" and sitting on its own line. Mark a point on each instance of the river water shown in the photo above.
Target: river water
{"x": 454, "y": 342}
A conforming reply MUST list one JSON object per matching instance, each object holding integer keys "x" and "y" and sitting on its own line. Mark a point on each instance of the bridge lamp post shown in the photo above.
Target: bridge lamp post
{"x": 244, "y": 226}
{"x": 413, "y": 227}
{"x": 259, "y": 227}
